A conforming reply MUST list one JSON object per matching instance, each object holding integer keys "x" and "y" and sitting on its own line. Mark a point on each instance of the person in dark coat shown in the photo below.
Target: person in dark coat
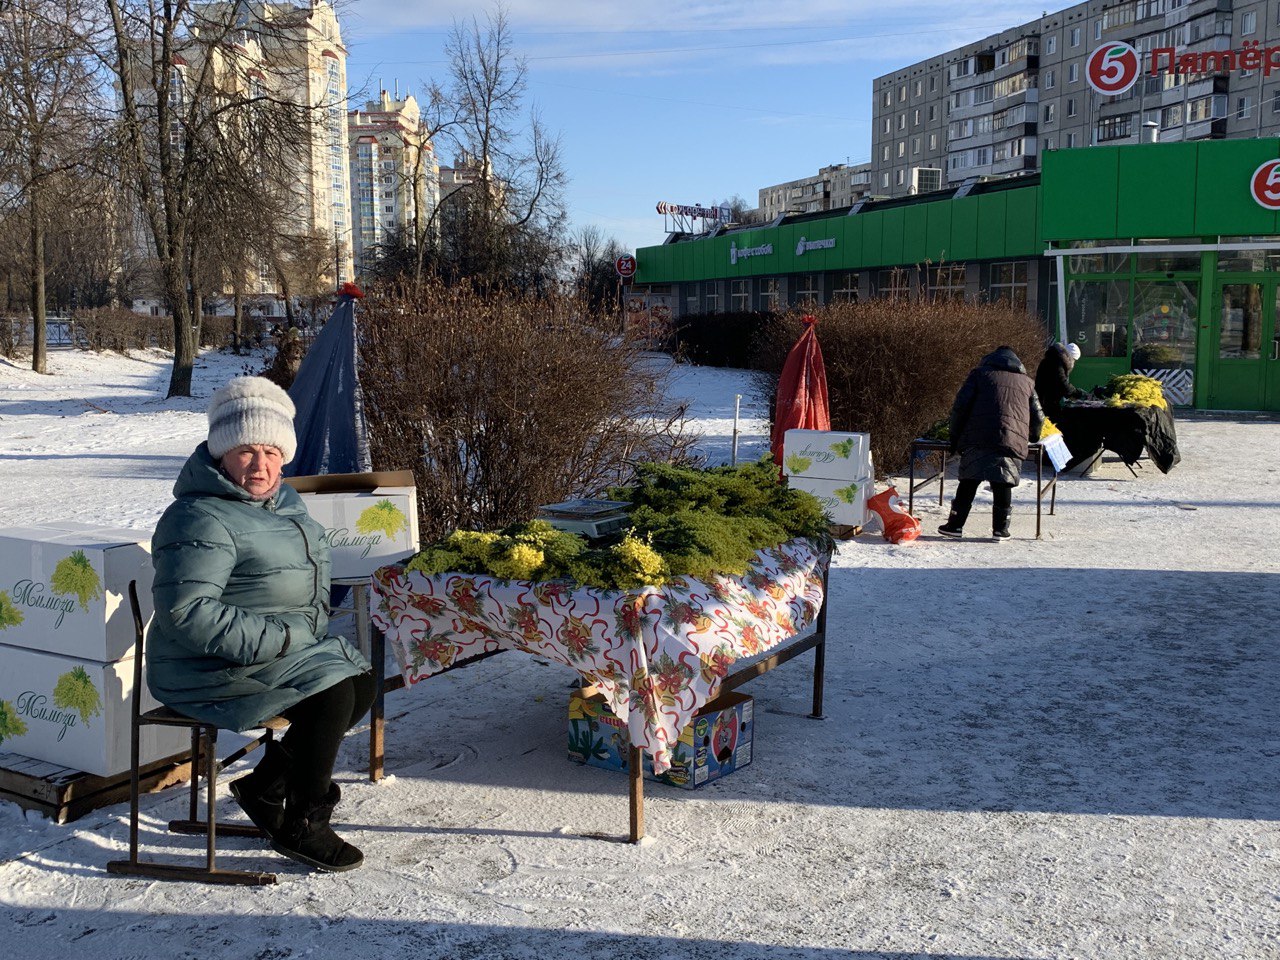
{"x": 240, "y": 632}
{"x": 1053, "y": 377}
{"x": 995, "y": 417}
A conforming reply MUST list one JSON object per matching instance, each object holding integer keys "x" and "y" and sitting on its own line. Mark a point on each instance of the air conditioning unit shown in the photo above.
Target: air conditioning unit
{"x": 926, "y": 179}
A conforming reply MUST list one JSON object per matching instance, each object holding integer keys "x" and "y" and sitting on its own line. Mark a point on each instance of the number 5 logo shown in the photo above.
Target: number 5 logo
{"x": 1113, "y": 68}
{"x": 1265, "y": 185}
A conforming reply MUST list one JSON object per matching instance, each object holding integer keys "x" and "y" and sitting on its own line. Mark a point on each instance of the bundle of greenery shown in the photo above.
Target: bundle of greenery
{"x": 1134, "y": 390}
{"x": 685, "y": 522}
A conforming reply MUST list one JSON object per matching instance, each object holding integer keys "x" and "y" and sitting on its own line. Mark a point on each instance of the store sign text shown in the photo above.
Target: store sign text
{"x": 1251, "y": 56}
{"x": 697, "y": 210}
{"x": 802, "y": 245}
{"x": 737, "y": 253}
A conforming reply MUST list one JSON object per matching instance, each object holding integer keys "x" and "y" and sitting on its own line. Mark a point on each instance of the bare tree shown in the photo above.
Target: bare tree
{"x": 200, "y": 124}
{"x": 47, "y": 125}
{"x": 595, "y": 276}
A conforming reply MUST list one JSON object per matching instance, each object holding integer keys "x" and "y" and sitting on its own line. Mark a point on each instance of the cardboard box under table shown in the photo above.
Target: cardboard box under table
{"x": 716, "y": 742}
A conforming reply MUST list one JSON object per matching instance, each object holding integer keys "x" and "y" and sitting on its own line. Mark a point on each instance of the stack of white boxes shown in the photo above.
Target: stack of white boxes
{"x": 67, "y": 647}
{"x": 835, "y": 467}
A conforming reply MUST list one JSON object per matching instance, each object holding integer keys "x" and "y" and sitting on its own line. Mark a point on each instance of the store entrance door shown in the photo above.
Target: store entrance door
{"x": 1246, "y": 351}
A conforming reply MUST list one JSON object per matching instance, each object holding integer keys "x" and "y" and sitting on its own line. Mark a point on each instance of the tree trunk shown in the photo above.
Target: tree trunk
{"x": 184, "y": 351}
{"x": 237, "y": 318}
{"x": 39, "y": 348}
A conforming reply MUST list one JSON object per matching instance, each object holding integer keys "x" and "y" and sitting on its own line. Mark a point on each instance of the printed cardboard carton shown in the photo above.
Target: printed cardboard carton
{"x": 64, "y": 588}
{"x": 717, "y": 741}
{"x": 827, "y": 454}
{"x": 76, "y": 713}
{"x": 844, "y": 500}
{"x": 370, "y": 519}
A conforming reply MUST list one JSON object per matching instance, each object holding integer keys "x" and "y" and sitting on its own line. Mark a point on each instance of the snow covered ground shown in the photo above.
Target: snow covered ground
{"x": 1066, "y": 748}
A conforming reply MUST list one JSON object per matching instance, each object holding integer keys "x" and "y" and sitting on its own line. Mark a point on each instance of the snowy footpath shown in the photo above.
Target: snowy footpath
{"x": 1065, "y": 748}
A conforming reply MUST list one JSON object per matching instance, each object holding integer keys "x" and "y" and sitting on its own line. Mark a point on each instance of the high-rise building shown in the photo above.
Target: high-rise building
{"x": 838, "y": 185}
{"x": 394, "y": 175}
{"x": 991, "y": 108}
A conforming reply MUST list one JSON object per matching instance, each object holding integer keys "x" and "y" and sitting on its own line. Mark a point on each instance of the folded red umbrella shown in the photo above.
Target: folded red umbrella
{"x": 802, "y": 389}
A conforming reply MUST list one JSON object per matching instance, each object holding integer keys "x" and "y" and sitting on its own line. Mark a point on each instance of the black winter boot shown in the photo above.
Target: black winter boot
{"x": 307, "y": 837}
{"x": 954, "y": 527}
{"x": 261, "y": 793}
{"x": 1000, "y": 519}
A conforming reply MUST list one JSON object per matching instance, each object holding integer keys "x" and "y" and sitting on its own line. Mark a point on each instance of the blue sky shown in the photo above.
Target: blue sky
{"x": 685, "y": 102}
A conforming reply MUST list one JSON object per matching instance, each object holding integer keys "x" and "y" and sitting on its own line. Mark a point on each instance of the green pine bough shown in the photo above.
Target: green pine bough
{"x": 75, "y": 574}
{"x": 75, "y": 691}
{"x": 685, "y": 522}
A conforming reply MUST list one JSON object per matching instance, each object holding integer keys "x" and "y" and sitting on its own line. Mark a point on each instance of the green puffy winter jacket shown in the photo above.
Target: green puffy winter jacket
{"x": 240, "y": 627}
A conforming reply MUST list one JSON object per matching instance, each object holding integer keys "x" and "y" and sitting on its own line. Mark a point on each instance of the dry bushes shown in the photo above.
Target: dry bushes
{"x": 502, "y": 402}
{"x": 894, "y": 365}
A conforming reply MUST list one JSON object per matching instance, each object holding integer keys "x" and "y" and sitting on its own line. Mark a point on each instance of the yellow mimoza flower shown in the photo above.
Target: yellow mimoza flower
{"x": 521, "y": 562}
{"x": 1134, "y": 388}
{"x": 472, "y": 544}
{"x": 1049, "y": 429}
{"x": 640, "y": 564}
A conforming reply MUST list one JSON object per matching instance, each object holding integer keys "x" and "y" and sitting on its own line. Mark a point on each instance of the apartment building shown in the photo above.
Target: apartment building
{"x": 831, "y": 188}
{"x": 991, "y": 108}
{"x": 395, "y": 179}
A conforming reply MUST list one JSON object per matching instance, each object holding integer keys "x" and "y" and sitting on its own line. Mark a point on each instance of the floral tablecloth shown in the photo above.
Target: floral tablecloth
{"x": 657, "y": 654}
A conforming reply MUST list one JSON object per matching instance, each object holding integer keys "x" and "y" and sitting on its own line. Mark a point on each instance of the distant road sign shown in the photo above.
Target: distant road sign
{"x": 626, "y": 267}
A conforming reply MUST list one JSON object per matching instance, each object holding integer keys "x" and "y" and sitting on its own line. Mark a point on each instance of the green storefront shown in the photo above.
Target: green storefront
{"x": 1158, "y": 256}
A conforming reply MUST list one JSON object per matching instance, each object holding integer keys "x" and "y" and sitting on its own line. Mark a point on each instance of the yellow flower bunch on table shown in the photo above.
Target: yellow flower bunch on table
{"x": 1133, "y": 389}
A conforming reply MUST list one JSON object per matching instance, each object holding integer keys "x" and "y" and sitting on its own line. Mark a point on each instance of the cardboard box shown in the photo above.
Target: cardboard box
{"x": 370, "y": 519}
{"x": 64, "y": 588}
{"x": 844, "y": 500}
{"x": 76, "y": 713}
{"x": 717, "y": 741}
{"x": 827, "y": 454}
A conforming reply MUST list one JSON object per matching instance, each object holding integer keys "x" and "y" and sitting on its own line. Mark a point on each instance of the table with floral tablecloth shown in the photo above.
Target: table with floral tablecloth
{"x": 656, "y": 653}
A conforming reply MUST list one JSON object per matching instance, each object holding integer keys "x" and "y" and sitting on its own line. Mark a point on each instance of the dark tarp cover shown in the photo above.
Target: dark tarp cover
{"x": 329, "y": 421}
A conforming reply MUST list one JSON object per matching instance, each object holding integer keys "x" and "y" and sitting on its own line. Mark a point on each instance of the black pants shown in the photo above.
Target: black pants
{"x": 316, "y": 726}
{"x": 1001, "y": 502}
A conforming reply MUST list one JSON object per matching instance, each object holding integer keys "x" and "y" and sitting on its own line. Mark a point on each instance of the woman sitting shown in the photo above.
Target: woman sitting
{"x": 241, "y": 621}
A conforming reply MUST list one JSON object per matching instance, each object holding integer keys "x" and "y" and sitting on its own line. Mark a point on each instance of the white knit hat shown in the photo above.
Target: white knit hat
{"x": 251, "y": 410}
{"x": 1073, "y": 350}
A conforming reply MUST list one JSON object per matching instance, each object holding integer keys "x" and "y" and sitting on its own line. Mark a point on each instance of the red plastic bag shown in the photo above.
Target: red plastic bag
{"x": 802, "y": 389}
{"x": 898, "y": 525}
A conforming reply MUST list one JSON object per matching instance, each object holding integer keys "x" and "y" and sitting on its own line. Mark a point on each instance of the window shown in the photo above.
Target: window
{"x": 888, "y": 99}
{"x": 1171, "y": 117}
{"x": 933, "y": 112}
{"x": 902, "y": 148}
{"x": 691, "y": 300}
{"x": 933, "y": 80}
{"x": 713, "y": 297}
{"x": 884, "y": 153}
{"x": 947, "y": 282}
{"x": 1275, "y": 99}
{"x": 915, "y": 145}
{"x": 1071, "y": 106}
{"x": 884, "y": 181}
{"x": 915, "y": 117}
{"x": 1244, "y": 106}
{"x": 1050, "y": 112}
{"x": 902, "y": 93}
{"x": 1114, "y": 128}
{"x": 846, "y": 287}
{"x": 1048, "y": 143}
{"x": 769, "y": 290}
{"x": 1049, "y": 80}
{"x": 1098, "y": 315}
{"x": 1051, "y": 44}
{"x": 933, "y": 137}
{"x": 1071, "y": 140}
{"x": 740, "y": 295}
{"x": 1248, "y": 23}
{"x": 1075, "y": 36}
{"x": 919, "y": 87}
{"x": 808, "y": 287}
{"x": 1009, "y": 283}
{"x": 1073, "y": 73}
{"x": 902, "y": 121}
{"x": 894, "y": 284}
{"x": 887, "y": 126}
{"x": 1097, "y": 29}
{"x": 900, "y": 177}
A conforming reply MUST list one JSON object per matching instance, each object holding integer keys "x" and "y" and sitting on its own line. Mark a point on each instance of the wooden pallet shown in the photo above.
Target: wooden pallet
{"x": 63, "y": 795}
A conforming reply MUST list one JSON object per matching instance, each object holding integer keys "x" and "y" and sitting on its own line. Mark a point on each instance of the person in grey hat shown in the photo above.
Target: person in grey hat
{"x": 240, "y": 632}
{"x": 1053, "y": 377}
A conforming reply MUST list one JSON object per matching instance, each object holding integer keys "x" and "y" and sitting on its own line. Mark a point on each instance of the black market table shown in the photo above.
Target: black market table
{"x": 1035, "y": 453}
{"x": 1090, "y": 427}
{"x": 659, "y": 654}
